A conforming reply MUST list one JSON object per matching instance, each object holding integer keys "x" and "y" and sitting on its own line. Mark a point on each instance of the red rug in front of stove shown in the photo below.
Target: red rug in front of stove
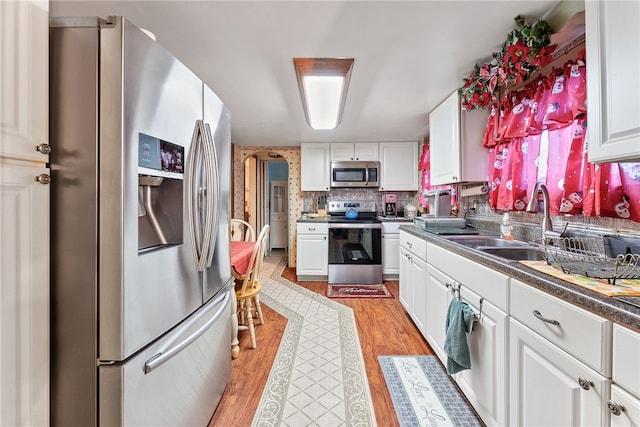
{"x": 358, "y": 291}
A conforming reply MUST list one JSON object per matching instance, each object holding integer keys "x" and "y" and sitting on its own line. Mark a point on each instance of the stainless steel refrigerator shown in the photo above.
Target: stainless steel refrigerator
{"x": 141, "y": 281}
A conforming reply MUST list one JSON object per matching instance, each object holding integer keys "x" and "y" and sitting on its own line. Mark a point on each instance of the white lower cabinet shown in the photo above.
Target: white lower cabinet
{"x": 313, "y": 251}
{"x": 413, "y": 253}
{"x": 485, "y": 385}
{"x": 549, "y": 387}
{"x": 439, "y": 295}
{"x": 623, "y": 407}
{"x": 390, "y": 258}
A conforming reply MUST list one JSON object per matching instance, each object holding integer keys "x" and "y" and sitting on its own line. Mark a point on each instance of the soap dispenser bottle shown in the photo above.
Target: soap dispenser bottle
{"x": 506, "y": 228}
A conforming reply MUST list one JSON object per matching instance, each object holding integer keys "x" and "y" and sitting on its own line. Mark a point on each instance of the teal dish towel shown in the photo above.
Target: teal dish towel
{"x": 460, "y": 319}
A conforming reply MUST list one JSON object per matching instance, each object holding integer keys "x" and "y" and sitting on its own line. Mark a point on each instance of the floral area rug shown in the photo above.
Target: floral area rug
{"x": 358, "y": 291}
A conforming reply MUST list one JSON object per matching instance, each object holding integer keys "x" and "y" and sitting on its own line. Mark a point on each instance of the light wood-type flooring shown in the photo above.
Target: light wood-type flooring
{"x": 384, "y": 328}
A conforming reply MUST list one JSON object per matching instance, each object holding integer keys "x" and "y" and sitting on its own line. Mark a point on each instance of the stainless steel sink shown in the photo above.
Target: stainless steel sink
{"x": 485, "y": 241}
{"x": 515, "y": 253}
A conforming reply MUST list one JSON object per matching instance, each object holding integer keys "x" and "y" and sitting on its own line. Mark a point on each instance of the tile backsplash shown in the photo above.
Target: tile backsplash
{"x": 360, "y": 194}
{"x": 476, "y": 208}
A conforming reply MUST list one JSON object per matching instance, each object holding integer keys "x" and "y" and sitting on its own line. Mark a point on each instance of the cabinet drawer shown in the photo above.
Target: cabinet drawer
{"x": 414, "y": 244}
{"x": 313, "y": 228}
{"x": 583, "y": 334}
{"x": 482, "y": 280}
{"x": 626, "y": 348}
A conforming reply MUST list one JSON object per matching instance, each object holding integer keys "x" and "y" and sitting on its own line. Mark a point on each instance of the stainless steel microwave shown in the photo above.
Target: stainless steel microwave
{"x": 350, "y": 174}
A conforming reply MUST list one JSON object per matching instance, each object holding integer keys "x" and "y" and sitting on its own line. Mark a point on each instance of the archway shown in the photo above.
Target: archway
{"x": 295, "y": 202}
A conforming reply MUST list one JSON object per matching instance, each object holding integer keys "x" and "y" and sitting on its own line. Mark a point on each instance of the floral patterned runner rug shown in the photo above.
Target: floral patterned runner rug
{"x": 623, "y": 287}
{"x": 423, "y": 394}
{"x": 358, "y": 291}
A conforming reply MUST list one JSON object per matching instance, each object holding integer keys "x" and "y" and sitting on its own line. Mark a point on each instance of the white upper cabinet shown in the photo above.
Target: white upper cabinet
{"x": 399, "y": 164}
{"x": 24, "y": 85}
{"x": 361, "y": 151}
{"x": 315, "y": 167}
{"x": 613, "y": 85}
{"x": 455, "y": 139}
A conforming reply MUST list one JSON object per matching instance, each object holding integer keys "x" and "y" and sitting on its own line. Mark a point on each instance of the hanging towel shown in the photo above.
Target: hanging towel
{"x": 459, "y": 321}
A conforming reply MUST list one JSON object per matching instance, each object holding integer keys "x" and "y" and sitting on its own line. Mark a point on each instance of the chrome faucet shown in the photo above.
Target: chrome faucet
{"x": 532, "y": 207}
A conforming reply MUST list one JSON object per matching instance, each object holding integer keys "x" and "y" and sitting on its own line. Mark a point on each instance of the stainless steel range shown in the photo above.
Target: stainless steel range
{"x": 355, "y": 242}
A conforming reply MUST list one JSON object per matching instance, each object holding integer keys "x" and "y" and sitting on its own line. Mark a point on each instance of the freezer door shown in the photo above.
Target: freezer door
{"x": 179, "y": 380}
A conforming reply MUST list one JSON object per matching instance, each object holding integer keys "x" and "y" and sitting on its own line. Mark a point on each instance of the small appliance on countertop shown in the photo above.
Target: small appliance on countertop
{"x": 390, "y": 201}
{"x": 439, "y": 202}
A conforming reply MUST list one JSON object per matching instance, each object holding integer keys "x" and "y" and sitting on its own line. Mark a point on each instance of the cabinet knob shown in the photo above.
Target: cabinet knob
{"x": 585, "y": 384}
{"x": 43, "y": 178}
{"x": 615, "y": 408}
{"x": 455, "y": 178}
{"x": 43, "y": 148}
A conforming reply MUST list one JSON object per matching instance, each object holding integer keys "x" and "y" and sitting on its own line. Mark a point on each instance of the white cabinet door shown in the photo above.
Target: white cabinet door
{"x": 545, "y": 385}
{"x": 439, "y": 295}
{"x": 314, "y": 167}
{"x": 613, "y": 67}
{"x": 418, "y": 302}
{"x": 455, "y": 141}
{"x": 313, "y": 255}
{"x": 24, "y": 67}
{"x": 390, "y": 256}
{"x": 399, "y": 166}
{"x": 404, "y": 277}
{"x": 24, "y": 300}
{"x": 360, "y": 151}
{"x": 278, "y": 214}
{"x": 486, "y": 383}
{"x": 24, "y": 213}
{"x": 624, "y": 408}
{"x": 365, "y": 151}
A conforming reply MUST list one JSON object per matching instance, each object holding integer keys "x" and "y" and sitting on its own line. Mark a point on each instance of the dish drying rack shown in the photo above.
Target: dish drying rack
{"x": 586, "y": 256}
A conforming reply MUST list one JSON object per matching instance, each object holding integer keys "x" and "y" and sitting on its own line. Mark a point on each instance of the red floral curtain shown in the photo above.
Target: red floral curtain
{"x": 538, "y": 135}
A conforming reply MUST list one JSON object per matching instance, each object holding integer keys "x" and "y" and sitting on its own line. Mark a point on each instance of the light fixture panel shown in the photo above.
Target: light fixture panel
{"x": 323, "y": 86}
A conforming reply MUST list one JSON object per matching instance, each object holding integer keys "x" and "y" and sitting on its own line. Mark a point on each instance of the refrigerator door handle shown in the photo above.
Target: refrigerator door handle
{"x": 212, "y": 199}
{"x": 172, "y": 350}
{"x": 194, "y": 195}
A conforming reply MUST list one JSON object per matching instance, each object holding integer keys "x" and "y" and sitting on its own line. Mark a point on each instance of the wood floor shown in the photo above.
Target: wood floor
{"x": 384, "y": 328}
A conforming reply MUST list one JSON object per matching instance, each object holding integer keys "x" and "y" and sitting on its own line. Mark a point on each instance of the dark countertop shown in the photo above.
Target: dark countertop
{"x": 303, "y": 219}
{"x": 605, "y": 306}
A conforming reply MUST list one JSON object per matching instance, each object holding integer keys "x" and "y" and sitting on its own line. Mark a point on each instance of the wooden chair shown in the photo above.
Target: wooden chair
{"x": 248, "y": 288}
{"x": 242, "y": 230}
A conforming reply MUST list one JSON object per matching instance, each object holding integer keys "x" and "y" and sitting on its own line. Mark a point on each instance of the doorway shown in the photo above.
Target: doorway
{"x": 266, "y": 179}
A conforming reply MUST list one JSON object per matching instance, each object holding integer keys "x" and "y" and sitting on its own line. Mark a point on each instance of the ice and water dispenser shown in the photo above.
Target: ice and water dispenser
{"x": 160, "y": 193}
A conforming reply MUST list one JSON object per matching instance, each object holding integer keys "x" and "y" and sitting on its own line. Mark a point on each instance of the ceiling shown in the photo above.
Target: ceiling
{"x": 409, "y": 56}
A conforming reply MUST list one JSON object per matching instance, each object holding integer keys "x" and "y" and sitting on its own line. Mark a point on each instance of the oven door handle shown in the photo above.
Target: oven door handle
{"x": 355, "y": 225}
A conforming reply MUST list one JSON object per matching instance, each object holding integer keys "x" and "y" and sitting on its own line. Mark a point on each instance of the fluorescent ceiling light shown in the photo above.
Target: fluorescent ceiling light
{"x": 323, "y": 84}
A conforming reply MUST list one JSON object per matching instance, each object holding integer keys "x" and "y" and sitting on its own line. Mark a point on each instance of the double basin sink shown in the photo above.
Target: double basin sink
{"x": 497, "y": 246}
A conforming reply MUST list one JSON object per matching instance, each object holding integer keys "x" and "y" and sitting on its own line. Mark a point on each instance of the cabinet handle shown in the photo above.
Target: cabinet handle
{"x": 585, "y": 384}
{"x": 43, "y": 148}
{"x": 455, "y": 178}
{"x": 43, "y": 178}
{"x": 312, "y": 229}
{"x": 615, "y": 408}
{"x": 409, "y": 244}
{"x": 324, "y": 237}
{"x": 544, "y": 319}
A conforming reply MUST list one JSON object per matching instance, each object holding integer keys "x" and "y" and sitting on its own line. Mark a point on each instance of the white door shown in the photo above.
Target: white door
{"x": 278, "y": 212}
{"x": 549, "y": 387}
{"x": 24, "y": 214}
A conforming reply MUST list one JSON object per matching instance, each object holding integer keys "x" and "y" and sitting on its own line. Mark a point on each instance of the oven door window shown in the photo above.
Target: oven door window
{"x": 355, "y": 246}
